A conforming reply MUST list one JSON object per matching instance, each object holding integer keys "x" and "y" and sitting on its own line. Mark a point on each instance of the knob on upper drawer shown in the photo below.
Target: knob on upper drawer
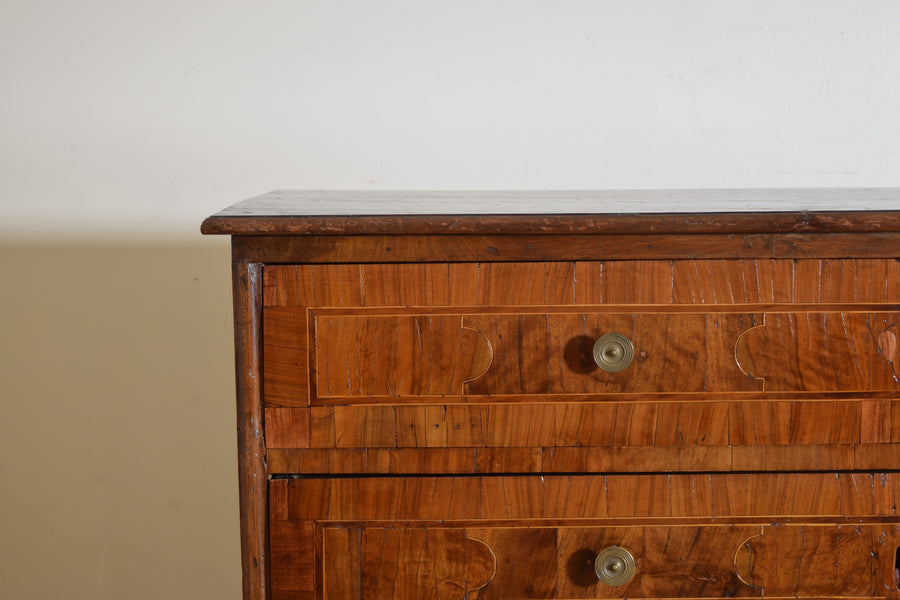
{"x": 613, "y": 352}
{"x": 614, "y": 566}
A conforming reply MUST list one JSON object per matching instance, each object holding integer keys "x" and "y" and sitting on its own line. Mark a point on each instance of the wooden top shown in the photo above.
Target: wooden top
{"x": 306, "y": 212}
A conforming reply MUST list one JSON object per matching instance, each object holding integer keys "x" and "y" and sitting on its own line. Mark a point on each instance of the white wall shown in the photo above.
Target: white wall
{"x": 123, "y": 117}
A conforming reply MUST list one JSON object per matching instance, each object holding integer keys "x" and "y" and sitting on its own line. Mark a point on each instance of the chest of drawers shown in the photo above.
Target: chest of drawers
{"x": 567, "y": 395}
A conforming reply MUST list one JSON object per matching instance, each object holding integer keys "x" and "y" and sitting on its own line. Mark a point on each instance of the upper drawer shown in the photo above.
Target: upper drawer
{"x": 338, "y": 334}
{"x": 405, "y": 354}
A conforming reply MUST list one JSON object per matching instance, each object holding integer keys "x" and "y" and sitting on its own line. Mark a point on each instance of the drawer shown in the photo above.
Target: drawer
{"x": 682, "y": 561}
{"x": 530, "y": 537}
{"x": 344, "y": 334}
{"x": 405, "y": 356}
{"x": 737, "y": 365}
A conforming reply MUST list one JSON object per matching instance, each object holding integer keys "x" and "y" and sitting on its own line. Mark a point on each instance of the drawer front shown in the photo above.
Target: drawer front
{"x": 716, "y": 561}
{"x": 410, "y": 357}
{"x": 338, "y": 334}
{"x": 530, "y": 537}
{"x": 739, "y": 365}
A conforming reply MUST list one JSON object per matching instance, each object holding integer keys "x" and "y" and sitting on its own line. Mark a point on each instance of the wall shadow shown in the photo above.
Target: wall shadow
{"x": 117, "y": 441}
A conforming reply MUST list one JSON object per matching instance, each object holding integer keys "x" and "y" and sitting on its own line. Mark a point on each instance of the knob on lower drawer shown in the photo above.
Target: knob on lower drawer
{"x": 614, "y": 566}
{"x": 613, "y": 352}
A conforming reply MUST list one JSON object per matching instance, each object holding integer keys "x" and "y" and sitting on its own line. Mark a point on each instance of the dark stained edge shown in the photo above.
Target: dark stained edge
{"x": 693, "y": 223}
{"x": 252, "y": 473}
{"x": 277, "y": 249}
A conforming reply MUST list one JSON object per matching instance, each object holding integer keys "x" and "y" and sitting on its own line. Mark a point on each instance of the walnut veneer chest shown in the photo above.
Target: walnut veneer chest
{"x": 567, "y": 395}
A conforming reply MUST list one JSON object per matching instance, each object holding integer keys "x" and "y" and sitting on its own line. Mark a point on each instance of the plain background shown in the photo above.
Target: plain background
{"x": 124, "y": 124}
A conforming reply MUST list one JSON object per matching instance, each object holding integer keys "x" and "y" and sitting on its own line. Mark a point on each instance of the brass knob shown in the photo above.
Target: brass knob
{"x": 614, "y": 566}
{"x": 613, "y": 352}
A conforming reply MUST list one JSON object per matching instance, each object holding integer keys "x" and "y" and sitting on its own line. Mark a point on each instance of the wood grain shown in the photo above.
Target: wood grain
{"x": 292, "y": 556}
{"x": 744, "y": 535}
{"x": 578, "y": 437}
{"x": 341, "y": 555}
{"x": 390, "y": 560}
{"x": 740, "y": 280}
{"x": 818, "y": 351}
{"x": 551, "y": 353}
{"x": 692, "y": 562}
{"x": 417, "y": 563}
{"x": 519, "y": 551}
{"x": 287, "y": 427}
{"x": 396, "y": 355}
{"x": 815, "y": 561}
{"x": 285, "y": 357}
{"x": 369, "y": 249}
{"x": 411, "y": 356}
{"x": 604, "y": 498}
{"x": 247, "y": 283}
{"x": 618, "y": 424}
{"x": 367, "y": 212}
{"x": 436, "y": 427}
{"x": 712, "y": 459}
{"x": 706, "y": 281}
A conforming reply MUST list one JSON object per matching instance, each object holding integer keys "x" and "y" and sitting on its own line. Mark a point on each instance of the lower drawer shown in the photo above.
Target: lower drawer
{"x": 676, "y": 561}
{"x": 665, "y": 536}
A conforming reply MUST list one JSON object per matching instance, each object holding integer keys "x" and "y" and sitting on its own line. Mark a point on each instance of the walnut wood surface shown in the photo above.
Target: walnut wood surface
{"x": 515, "y": 354}
{"x": 713, "y": 561}
{"x": 538, "y": 247}
{"x": 667, "y": 211}
{"x": 394, "y": 563}
{"x": 739, "y": 281}
{"x": 742, "y": 497}
{"x": 247, "y": 281}
{"x": 763, "y": 535}
{"x": 422, "y": 389}
{"x": 791, "y": 383}
{"x": 412, "y": 356}
{"x": 540, "y": 460}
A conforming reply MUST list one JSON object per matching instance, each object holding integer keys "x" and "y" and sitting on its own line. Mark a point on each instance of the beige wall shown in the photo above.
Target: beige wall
{"x": 117, "y": 435}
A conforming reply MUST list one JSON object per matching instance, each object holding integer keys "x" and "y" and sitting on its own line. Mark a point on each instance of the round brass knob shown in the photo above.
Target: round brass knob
{"x": 613, "y": 352}
{"x": 614, "y": 566}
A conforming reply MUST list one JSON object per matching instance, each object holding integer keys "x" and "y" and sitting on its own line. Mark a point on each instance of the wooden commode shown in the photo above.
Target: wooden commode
{"x": 561, "y": 395}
